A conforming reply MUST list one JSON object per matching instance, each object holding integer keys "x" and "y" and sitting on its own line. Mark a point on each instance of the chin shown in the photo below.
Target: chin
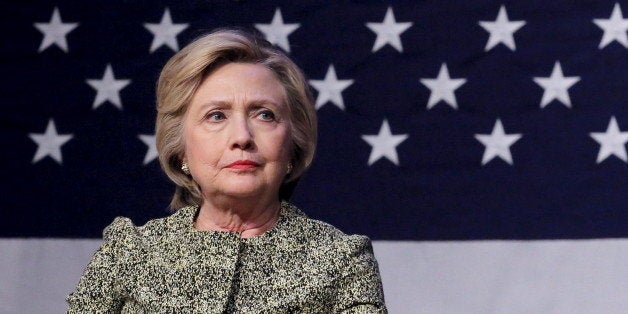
{"x": 244, "y": 188}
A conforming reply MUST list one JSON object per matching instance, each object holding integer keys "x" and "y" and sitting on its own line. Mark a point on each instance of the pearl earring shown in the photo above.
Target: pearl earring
{"x": 185, "y": 168}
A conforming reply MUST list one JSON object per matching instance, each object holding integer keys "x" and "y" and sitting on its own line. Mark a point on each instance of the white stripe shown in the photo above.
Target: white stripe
{"x": 37, "y": 274}
{"x": 586, "y": 276}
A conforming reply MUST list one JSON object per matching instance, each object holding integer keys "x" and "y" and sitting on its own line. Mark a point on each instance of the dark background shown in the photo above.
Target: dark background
{"x": 439, "y": 190}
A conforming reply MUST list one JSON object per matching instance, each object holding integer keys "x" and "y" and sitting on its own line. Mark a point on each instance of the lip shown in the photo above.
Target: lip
{"x": 242, "y": 165}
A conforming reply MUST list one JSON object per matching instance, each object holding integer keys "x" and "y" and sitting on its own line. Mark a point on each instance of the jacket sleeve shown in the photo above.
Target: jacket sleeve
{"x": 99, "y": 289}
{"x": 360, "y": 287}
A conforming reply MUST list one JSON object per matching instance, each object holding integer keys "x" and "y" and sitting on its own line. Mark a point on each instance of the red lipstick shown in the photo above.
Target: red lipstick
{"x": 243, "y": 164}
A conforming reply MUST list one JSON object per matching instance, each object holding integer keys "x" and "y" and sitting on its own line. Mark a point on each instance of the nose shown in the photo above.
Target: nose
{"x": 241, "y": 136}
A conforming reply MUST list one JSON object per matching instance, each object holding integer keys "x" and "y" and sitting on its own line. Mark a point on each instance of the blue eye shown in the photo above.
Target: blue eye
{"x": 266, "y": 115}
{"x": 216, "y": 116}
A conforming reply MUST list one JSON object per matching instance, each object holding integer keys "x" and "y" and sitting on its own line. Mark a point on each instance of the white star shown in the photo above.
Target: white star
{"x": 497, "y": 144}
{"x": 49, "y": 143}
{"x": 611, "y": 142}
{"x": 55, "y": 31}
{"x": 388, "y": 31}
{"x": 442, "y": 88}
{"x": 501, "y": 30}
{"x": 330, "y": 89}
{"x": 277, "y": 32}
{"x": 556, "y": 86}
{"x": 615, "y": 28}
{"x": 384, "y": 144}
{"x": 151, "y": 153}
{"x": 165, "y": 33}
{"x": 108, "y": 88}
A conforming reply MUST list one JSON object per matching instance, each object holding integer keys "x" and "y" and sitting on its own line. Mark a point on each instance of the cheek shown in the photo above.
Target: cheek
{"x": 279, "y": 146}
{"x": 200, "y": 148}
{"x": 200, "y": 154}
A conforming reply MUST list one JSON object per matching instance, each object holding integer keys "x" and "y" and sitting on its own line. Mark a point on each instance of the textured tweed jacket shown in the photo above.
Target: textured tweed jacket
{"x": 166, "y": 266}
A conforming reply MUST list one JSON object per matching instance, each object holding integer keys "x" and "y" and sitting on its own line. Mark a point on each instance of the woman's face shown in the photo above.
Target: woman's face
{"x": 237, "y": 132}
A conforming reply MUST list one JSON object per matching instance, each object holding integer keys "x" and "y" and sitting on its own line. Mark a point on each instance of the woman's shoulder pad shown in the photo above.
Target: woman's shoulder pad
{"x": 320, "y": 231}
{"x": 123, "y": 227}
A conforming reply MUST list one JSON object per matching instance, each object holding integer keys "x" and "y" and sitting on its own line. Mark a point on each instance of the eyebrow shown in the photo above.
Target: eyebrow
{"x": 261, "y": 102}
{"x": 213, "y": 103}
{"x": 254, "y": 103}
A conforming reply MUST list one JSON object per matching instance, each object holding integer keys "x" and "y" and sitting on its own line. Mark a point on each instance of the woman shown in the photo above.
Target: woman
{"x": 235, "y": 128}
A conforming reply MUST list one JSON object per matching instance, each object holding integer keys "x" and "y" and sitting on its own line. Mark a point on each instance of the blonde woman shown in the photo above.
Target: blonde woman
{"x": 235, "y": 127}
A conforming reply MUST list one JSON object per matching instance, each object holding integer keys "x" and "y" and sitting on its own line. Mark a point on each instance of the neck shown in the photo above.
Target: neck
{"x": 248, "y": 217}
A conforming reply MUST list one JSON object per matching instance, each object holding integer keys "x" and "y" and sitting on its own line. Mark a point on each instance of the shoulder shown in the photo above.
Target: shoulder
{"x": 305, "y": 226}
{"x": 327, "y": 239}
{"x": 123, "y": 233}
{"x": 348, "y": 259}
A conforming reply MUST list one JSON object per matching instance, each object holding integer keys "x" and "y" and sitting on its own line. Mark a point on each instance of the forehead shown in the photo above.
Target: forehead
{"x": 240, "y": 80}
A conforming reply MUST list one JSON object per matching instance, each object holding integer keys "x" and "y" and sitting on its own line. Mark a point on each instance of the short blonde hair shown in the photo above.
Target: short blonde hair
{"x": 181, "y": 77}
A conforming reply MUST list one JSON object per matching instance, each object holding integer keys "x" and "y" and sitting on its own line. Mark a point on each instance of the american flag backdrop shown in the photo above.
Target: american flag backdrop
{"x": 482, "y": 145}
